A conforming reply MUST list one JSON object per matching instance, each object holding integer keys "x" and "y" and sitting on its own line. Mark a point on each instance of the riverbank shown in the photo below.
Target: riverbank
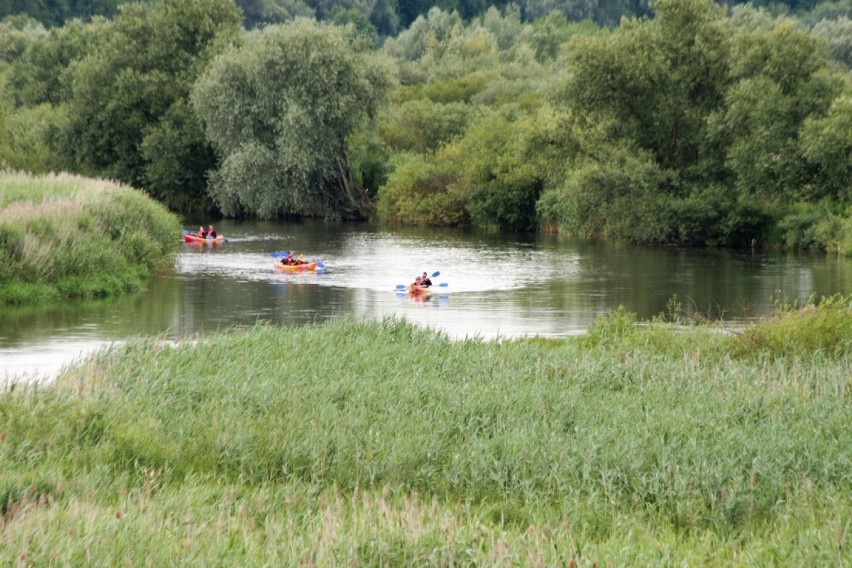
{"x": 64, "y": 236}
{"x": 386, "y": 444}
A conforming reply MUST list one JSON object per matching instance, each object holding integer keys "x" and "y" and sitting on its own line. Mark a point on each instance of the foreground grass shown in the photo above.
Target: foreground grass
{"x": 68, "y": 236}
{"x": 385, "y": 444}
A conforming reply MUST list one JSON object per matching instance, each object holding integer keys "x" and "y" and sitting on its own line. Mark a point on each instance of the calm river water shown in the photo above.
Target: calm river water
{"x": 497, "y": 285}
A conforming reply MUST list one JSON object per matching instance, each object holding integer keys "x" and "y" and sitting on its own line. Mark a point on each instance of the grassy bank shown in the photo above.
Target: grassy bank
{"x": 67, "y": 236}
{"x": 386, "y": 444}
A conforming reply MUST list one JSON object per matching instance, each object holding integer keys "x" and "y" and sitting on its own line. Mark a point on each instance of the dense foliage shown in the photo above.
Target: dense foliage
{"x": 67, "y": 236}
{"x": 633, "y": 445}
{"x": 694, "y": 127}
{"x": 693, "y": 124}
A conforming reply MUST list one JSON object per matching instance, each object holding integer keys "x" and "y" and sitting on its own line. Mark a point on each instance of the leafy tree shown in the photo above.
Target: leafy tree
{"x": 779, "y": 79}
{"x": 695, "y": 120}
{"x": 826, "y": 144}
{"x": 838, "y": 34}
{"x": 130, "y": 95}
{"x": 56, "y": 12}
{"x": 27, "y": 136}
{"x": 35, "y": 85}
{"x": 657, "y": 80}
{"x": 548, "y": 35}
{"x": 826, "y": 11}
{"x": 440, "y": 46}
{"x": 603, "y": 12}
{"x": 385, "y": 18}
{"x": 16, "y": 34}
{"x": 574, "y": 10}
{"x": 359, "y": 21}
{"x": 279, "y": 110}
{"x": 43, "y": 73}
{"x": 421, "y": 125}
{"x": 448, "y": 90}
{"x": 610, "y": 189}
{"x": 411, "y": 10}
{"x": 498, "y": 172}
{"x": 425, "y": 33}
{"x": 263, "y": 12}
{"x": 505, "y": 26}
{"x": 368, "y": 158}
{"x": 177, "y": 157}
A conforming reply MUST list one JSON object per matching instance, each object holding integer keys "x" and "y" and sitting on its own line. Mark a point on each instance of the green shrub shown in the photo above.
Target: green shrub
{"x": 821, "y": 327}
{"x": 614, "y": 327}
{"x": 420, "y": 191}
{"x": 821, "y": 226}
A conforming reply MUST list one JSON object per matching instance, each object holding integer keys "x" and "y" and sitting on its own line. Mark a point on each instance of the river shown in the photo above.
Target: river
{"x": 490, "y": 285}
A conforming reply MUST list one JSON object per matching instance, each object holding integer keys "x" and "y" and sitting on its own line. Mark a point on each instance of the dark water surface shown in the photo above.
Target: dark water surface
{"x": 497, "y": 285}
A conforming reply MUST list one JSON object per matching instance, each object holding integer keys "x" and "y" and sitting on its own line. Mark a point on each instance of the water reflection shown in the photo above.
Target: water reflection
{"x": 496, "y": 284}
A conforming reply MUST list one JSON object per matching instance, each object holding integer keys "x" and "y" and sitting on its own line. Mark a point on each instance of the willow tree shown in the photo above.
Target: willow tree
{"x": 278, "y": 111}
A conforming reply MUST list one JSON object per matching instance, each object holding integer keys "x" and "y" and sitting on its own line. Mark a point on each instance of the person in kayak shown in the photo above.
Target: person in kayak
{"x": 211, "y": 232}
{"x": 418, "y": 282}
{"x": 299, "y": 260}
{"x": 288, "y": 260}
{"x": 201, "y": 233}
{"x": 425, "y": 281}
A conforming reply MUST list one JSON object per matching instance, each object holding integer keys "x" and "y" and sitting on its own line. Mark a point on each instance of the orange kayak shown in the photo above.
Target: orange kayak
{"x": 415, "y": 290}
{"x": 197, "y": 239}
{"x": 296, "y": 267}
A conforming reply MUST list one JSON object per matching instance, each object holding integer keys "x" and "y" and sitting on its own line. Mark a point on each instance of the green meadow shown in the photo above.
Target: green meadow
{"x": 64, "y": 236}
{"x": 385, "y": 444}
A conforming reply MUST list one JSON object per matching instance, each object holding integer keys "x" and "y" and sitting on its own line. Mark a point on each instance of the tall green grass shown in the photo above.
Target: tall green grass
{"x": 68, "y": 236}
{"x": 386, "y": 444}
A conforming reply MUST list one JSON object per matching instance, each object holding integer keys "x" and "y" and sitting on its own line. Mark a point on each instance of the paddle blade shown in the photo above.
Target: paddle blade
{"x": 401, "y": 286}
{"x": 436, "y": 274}
{"x": 443, "y": 284}
{"x": 320, "y": 265}
{"x": 185, "y": 232}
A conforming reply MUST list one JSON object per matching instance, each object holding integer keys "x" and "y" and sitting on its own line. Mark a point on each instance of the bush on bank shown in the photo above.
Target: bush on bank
{"x": 386, "y": 444}
{"x": 67, "y": 236}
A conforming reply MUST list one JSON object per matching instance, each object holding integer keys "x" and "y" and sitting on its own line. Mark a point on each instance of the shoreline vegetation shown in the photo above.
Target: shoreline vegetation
{"x": 672, "y": 122}
{"x": 383, "y": 443}
{"x": 67, "y": 236}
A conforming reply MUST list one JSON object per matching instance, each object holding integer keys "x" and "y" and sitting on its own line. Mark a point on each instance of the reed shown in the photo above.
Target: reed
{"x": 385, "y": 444}
{"x": 68, "y": 236}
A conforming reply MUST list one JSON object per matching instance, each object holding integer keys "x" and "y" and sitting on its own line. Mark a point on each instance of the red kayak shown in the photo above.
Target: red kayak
{"x": 296, "y": 267}
{"x": 197, "y": 239}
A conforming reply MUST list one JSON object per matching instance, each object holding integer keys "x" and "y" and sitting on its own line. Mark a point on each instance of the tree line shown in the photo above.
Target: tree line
{"x": 693, "y": 124}
{"x": 386, "y": 18}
